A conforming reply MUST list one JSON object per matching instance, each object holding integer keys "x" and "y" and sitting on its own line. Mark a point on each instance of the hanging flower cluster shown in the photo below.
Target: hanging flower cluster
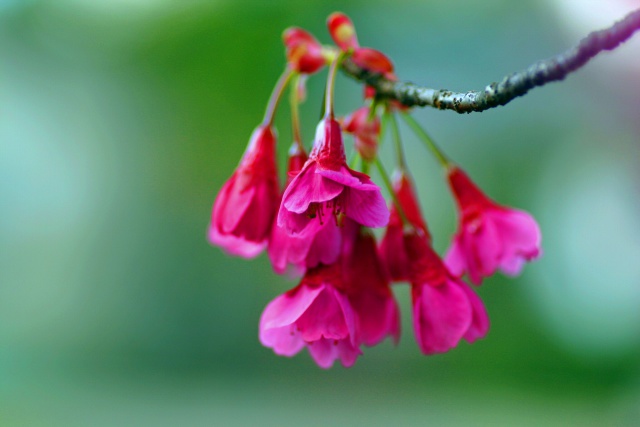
{"x": 319, "y": 225}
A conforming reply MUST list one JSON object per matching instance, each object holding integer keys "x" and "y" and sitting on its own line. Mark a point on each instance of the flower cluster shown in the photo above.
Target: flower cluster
{"x": 319, "y": 225}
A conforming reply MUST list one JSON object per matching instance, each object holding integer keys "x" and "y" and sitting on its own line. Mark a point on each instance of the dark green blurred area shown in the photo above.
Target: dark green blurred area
{"x": 120, "y": 121}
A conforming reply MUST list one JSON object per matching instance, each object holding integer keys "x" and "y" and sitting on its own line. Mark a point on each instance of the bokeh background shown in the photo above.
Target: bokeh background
{"x": 121, "y": 119}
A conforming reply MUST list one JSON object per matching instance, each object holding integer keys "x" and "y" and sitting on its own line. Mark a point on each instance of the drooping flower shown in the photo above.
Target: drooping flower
{"x": 392, "y": 250}
{"x": 369, "y": 291}
{"x": 327, "y": 190}
{"x": 366, "y": 131}
{"x": 299, "y": 251}
{"x": 245, "y": 208}
{"x": 445, "y": 309}
{"x": 317, "y": 315}
{"x": 489, "y": 236}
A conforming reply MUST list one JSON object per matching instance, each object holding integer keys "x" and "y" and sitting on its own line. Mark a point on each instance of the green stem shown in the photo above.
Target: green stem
{"x": 276, "y": 95}
{"x": 397, "y": 142}
{"x": 353, "y": 161}
{"x": 295, "y": 113}
{"x": 424, "y": 136}
{"x": 331, "y": 80}
{"x": 366, "y": 165}
{"x": 389, "y": 185}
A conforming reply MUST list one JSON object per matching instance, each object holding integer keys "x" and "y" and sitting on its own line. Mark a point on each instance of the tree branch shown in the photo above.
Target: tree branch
{"x": 510, "y": 87}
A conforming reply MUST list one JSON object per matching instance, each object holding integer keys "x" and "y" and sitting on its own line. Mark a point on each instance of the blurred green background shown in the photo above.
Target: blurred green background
{"x": 119, "y": 122}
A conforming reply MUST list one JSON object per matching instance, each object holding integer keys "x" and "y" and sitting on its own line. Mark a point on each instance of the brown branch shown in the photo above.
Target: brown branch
{"x": 510, "y": 87}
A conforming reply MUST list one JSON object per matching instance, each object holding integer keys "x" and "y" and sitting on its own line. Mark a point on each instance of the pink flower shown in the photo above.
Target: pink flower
{"x": 316, "y": 314}
{"x": 244, "y": 209}
{"x": 392, "y": 248}
{"x": 326, "y": 188}
{"x": 299, "y": 251}
{"x": 365, "y": 130}
{"x": 369, "y": 291}
{"x": 489, "y": 236}
{"x": 445, "y": 309}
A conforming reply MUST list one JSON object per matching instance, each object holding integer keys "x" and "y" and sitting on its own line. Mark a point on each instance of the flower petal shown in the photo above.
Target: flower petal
{"x": 480, "y": 319}
{"x": 324, "y": 318}
{"x": 441, "y": 316}
{"x": 455, "y": 259}
{"x": 233, "y": 245}
{"x": 325, "y": 351}
{"x": 306, "y": 188}
{"x": 287, "y": 308}
{"x": 521, "y": 238}
{"x": 325, "y": 245}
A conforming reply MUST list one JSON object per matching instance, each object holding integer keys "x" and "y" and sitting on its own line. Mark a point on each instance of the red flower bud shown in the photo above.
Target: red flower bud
{"x": 365, "y": 130}
{"x": 304, "y": 53}
{"x": 372, "y": 60}
{"x": 342, "y": 31}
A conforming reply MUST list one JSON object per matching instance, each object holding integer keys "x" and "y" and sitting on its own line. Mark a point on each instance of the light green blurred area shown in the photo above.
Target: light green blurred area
{"x": 120, "y": 121}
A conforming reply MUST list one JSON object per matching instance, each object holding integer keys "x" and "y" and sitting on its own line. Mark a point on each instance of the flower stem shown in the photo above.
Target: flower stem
{"x": 394, "y": 197}
{"x": 424, "y": 136}
{"x": 395, "y": 132}
{"x": 295, "y": 113}
{"x": 274, "y": 100}
{"x": 331, "y": 80}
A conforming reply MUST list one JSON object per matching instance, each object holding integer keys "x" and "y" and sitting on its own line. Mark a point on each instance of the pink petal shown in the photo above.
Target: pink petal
{"x": 378, "y": 316}
{"x": 363, "y": 201}
{"x": 256, "y": 221}
{"x": 367, "y": 207}
{"x": 482, "y": 249}
{"x": 324, "y": 318}
{"x": 235, "y": 245}
{"x": 325, "y": 245}
{"x": 287, "y": 308}
{"x": 455, "y": 259}
{"x": 325, "y": 351}
{"x": 285, "y": 249}
{"x": 306, "y": 188}
{"x": 441, "y": 316}
{"x": 521, "y": 238}
{"x": 480, "y": 319}
{"x": 285, "y": 341}
{"x": 349, "y": 316}
{"x": 230, "y": 204}
{"x": 394, "y": 255}
{"x": 342, "y": 176}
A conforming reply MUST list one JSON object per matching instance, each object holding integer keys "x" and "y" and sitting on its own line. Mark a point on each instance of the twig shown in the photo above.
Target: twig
{"x": 510, "y": 87}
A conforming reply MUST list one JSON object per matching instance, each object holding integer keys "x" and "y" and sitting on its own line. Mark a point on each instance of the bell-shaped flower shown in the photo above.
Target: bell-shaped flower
{"x": 244, "y": 210}
{"x": 445, "y": 309}
{"x": 392, "y": 249}
{"x": 489, "y": 236}
{"x": 327, "y": 190}
{"x": 295, "y": 250}
{"x": 317, "y": 315}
